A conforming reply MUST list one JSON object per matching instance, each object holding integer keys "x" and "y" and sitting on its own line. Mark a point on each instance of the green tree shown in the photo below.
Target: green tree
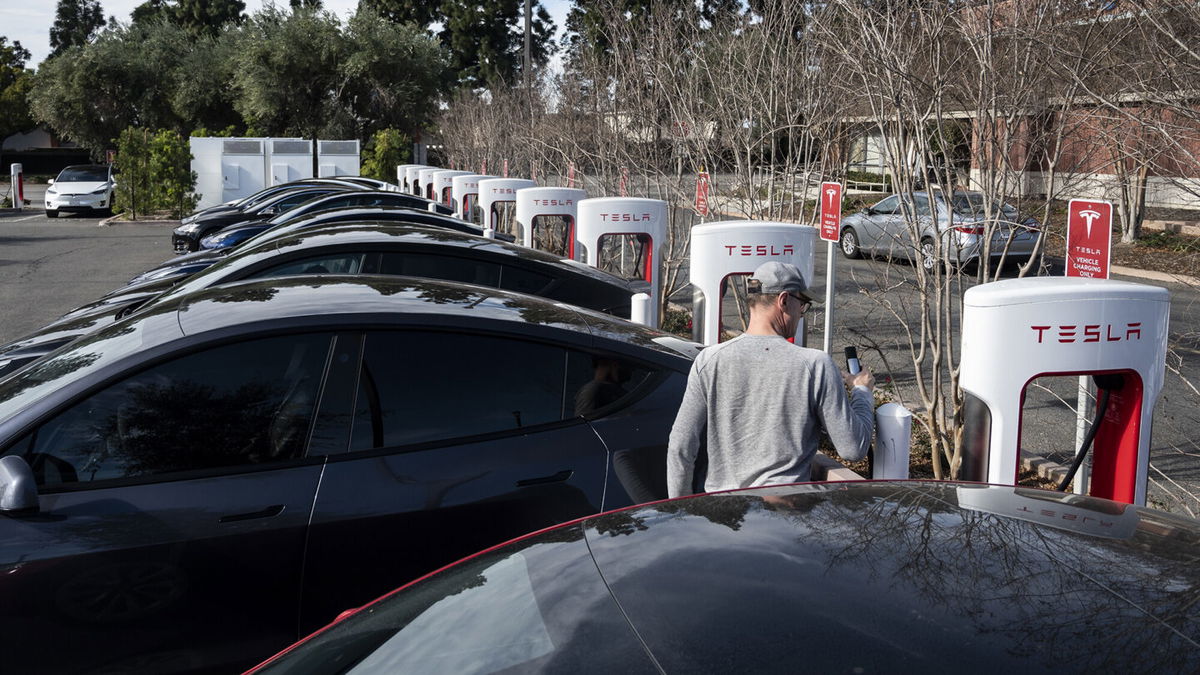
{"x": 173, "y": 183}
{"x": 133, "y": 160}
{"x": 75, "y": 22}
{"x": 485, "y": 38}
{"x": 394, "y": 74}
{"x": 201, "y": 17}
{"x": 125, "y": 77}
{"x": 386, "y": 150}
{"x": 15, "y": 83}
{"x": 288, "y": 72}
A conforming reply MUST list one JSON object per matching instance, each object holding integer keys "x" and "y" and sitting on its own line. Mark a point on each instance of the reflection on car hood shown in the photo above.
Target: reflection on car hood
{"x": 81, "y": 188}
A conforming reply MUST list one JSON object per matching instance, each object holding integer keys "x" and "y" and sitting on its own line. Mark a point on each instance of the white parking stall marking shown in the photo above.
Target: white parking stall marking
{"x": 21, "y": 220}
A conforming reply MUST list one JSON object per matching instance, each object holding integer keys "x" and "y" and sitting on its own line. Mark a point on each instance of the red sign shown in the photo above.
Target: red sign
{"x": 624, "y": 192}
{"x": 702, "y": 182}
{"x": 505, "y": 173}
{"x": 571, "y": 175}
{"x": 831, "y": 211}
{"x": 483, "y": 169}
{"x": 1089, "y": 238}
{"x": 110, "y": 156}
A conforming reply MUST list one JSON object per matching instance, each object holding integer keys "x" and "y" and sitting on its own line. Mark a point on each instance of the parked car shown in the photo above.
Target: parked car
{"x": 841, "y": 578}
{"x": 370, "y": 183}
{"x": 270, "y": 191}
{"x": 196, "y": 486}
{"x": 81, "y": 188}
{"x": 362, "y": 248}
{"x": 187, "y": 236}
{"x": 236, "y": 233}
{"x": 959, "y": 221}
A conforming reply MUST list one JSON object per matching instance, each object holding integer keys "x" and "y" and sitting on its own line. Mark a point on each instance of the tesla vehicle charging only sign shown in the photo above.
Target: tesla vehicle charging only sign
{"x": 831, "y": 211}
{"x": 1089, "y": 238}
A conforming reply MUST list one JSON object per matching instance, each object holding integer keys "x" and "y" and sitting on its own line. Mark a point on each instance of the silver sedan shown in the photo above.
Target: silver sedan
{"x": 903, "y": 227}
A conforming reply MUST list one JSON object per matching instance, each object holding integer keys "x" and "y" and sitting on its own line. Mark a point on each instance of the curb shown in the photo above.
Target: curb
{"x": 1152, "y": 275}
{"x": 117, "y": 220}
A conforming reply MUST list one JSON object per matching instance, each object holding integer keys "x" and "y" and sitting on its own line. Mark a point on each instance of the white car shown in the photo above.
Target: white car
{"x": 84, "y": 188}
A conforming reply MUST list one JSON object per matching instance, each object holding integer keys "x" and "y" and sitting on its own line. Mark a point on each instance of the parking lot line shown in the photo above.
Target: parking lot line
{"x": 21, "y": 220}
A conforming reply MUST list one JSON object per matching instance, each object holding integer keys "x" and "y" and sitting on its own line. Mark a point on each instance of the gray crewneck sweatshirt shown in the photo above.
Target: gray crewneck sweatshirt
{"x": 759, "y": 402}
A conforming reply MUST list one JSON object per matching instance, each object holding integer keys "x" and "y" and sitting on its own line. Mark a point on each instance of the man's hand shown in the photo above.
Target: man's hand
{"x": 862, "y": 378}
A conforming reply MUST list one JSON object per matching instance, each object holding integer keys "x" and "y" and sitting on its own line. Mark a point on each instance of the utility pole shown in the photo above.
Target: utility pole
{"x": 528, "y": 43}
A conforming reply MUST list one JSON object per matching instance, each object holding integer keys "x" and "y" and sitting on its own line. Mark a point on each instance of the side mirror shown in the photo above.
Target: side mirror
{"x": 50, "y": 182}
{"x": 269, "y": 211}
{"x": 868, "y": 211}
{"x": 18, "y": 488}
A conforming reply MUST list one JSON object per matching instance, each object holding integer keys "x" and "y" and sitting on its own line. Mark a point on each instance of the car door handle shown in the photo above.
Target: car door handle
{"x": 555, "y": 478}
{"x": 269, "y": 512}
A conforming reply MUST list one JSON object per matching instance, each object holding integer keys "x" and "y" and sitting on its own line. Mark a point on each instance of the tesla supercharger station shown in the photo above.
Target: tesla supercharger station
{"x": 1017, "y": 330}
{"x": 735, "y": 249}
{"x": 443, "y": 185}
{"x": 465, "y": 194}
{"x": 498, "y": 194}
{"x": 411, "y": 174}
{"x": 544, "y": 207}
{"x": 402, "y": 176}
{"x": 425, "y": 182}
{"x": 613, "y": 218}
{"x": 18, "y": 186}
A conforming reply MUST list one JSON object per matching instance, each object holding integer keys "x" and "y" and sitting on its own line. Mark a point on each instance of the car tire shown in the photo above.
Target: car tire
{"x": 51, "y": 213}
{"x": 928, "y": 254}
{"x": 849, "y": 244}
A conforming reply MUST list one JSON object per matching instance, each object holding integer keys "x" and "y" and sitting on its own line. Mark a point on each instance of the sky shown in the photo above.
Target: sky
{"x": 29, "y": 21}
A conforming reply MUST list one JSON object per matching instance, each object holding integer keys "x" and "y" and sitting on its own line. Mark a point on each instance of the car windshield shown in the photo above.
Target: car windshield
{"x": 972, "y": 205}
{"x": 83, "y": 174}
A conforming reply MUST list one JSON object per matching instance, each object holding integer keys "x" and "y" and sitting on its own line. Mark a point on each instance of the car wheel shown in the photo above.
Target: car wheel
{"x": 928, "y": 254}
{"x": 850, "y": 247}
{"x": 51, "y": 213}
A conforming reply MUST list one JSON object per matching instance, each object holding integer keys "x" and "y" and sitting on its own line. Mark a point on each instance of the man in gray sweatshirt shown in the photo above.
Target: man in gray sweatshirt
{"x": 759, "y": 401}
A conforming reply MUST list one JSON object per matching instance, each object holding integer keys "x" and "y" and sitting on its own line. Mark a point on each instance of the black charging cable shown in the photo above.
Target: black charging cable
{"x": 1105, "y": 384}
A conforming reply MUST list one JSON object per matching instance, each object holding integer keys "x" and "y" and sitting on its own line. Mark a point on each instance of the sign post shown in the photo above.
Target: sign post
{"x": 1089, "y": 251}
{"x": 571, "y": 175}
{"x": 504, "y": 171}
{"x": 702, "y": 182}
{"x": 831, "y": 229}
{"x": 624, "y": 190}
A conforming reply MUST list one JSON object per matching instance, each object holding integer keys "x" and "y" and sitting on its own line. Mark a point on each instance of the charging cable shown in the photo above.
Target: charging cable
{"x": 1105, "y": 384}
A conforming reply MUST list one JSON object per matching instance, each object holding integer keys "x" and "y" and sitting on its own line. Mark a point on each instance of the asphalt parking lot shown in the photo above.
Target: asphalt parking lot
{"x": 49, "y": 266}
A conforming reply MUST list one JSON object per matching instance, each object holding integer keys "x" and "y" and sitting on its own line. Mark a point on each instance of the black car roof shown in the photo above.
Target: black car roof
{"x": 898, "y": 576}
{"x": 369, "y": 213}
{"x": 301, "y": 301}
{"x": 407, "y": 233}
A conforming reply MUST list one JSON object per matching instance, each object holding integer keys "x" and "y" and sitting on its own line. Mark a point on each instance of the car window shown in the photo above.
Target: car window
{"x": 887, "y": 206}
{"x": 83, "y": 174}
{"x": 522, "y": 280}
{"x": 417, "y": 387}
{"x": 292, "y": 200}
{"x": 243, "y": 403}
{"x": 921, "y": 204}
{"x": 597, "y": 382}
{"x": 435, "y": 266}
{"x": 337, "y": 263}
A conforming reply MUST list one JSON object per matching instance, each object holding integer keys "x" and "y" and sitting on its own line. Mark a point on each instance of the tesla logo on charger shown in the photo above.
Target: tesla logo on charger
{"x": 503, "y": 191}
{"x": 1095, "y": 332}
{"x": 553, "y": 202}
{"x": 759, "y": 250}
{"x": 625, "y": 217}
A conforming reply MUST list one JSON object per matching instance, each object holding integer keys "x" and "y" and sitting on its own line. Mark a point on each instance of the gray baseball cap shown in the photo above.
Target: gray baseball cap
{"x": 778, "y": 277}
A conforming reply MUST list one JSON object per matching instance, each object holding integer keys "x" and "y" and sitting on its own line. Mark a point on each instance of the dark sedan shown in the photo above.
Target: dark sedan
{"x": 363, "y": 248}
{"x": 196, "y": 486}
{"x": 234, "y": 234}
{"x": 266, "y": 193}
{"x": 838, "y": 578}
{"x": 187, "y": 236}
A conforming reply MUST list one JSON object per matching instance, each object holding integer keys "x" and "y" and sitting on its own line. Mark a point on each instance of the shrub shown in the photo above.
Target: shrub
{"x": 155, "y": 173}
{"x": 386, "y": 150}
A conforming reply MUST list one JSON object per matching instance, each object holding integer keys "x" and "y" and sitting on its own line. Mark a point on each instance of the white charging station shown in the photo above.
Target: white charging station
{"x": 606, "y": 218}
{"x": 464, "y": 193}
{"x": 16, "y": 173}
{"x": 736, "y": 248}
{"x": 443, "y": 186}
{"x": 1017, "y": 330}
{"x": 538, "y": 207}
{"x": 425, "y": 182}
{"x": 411, "y": 174}
{"x": 495, "y": 196}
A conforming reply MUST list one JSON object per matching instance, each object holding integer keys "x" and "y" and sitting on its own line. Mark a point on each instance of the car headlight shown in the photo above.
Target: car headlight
{"x": 189, "y": 228}
{"x": 51, "y": 191}
{"x": 100, "y": 191}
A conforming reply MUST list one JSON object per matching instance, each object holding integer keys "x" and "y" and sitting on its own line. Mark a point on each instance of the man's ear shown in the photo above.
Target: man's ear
{"x": 781, "y": 301}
